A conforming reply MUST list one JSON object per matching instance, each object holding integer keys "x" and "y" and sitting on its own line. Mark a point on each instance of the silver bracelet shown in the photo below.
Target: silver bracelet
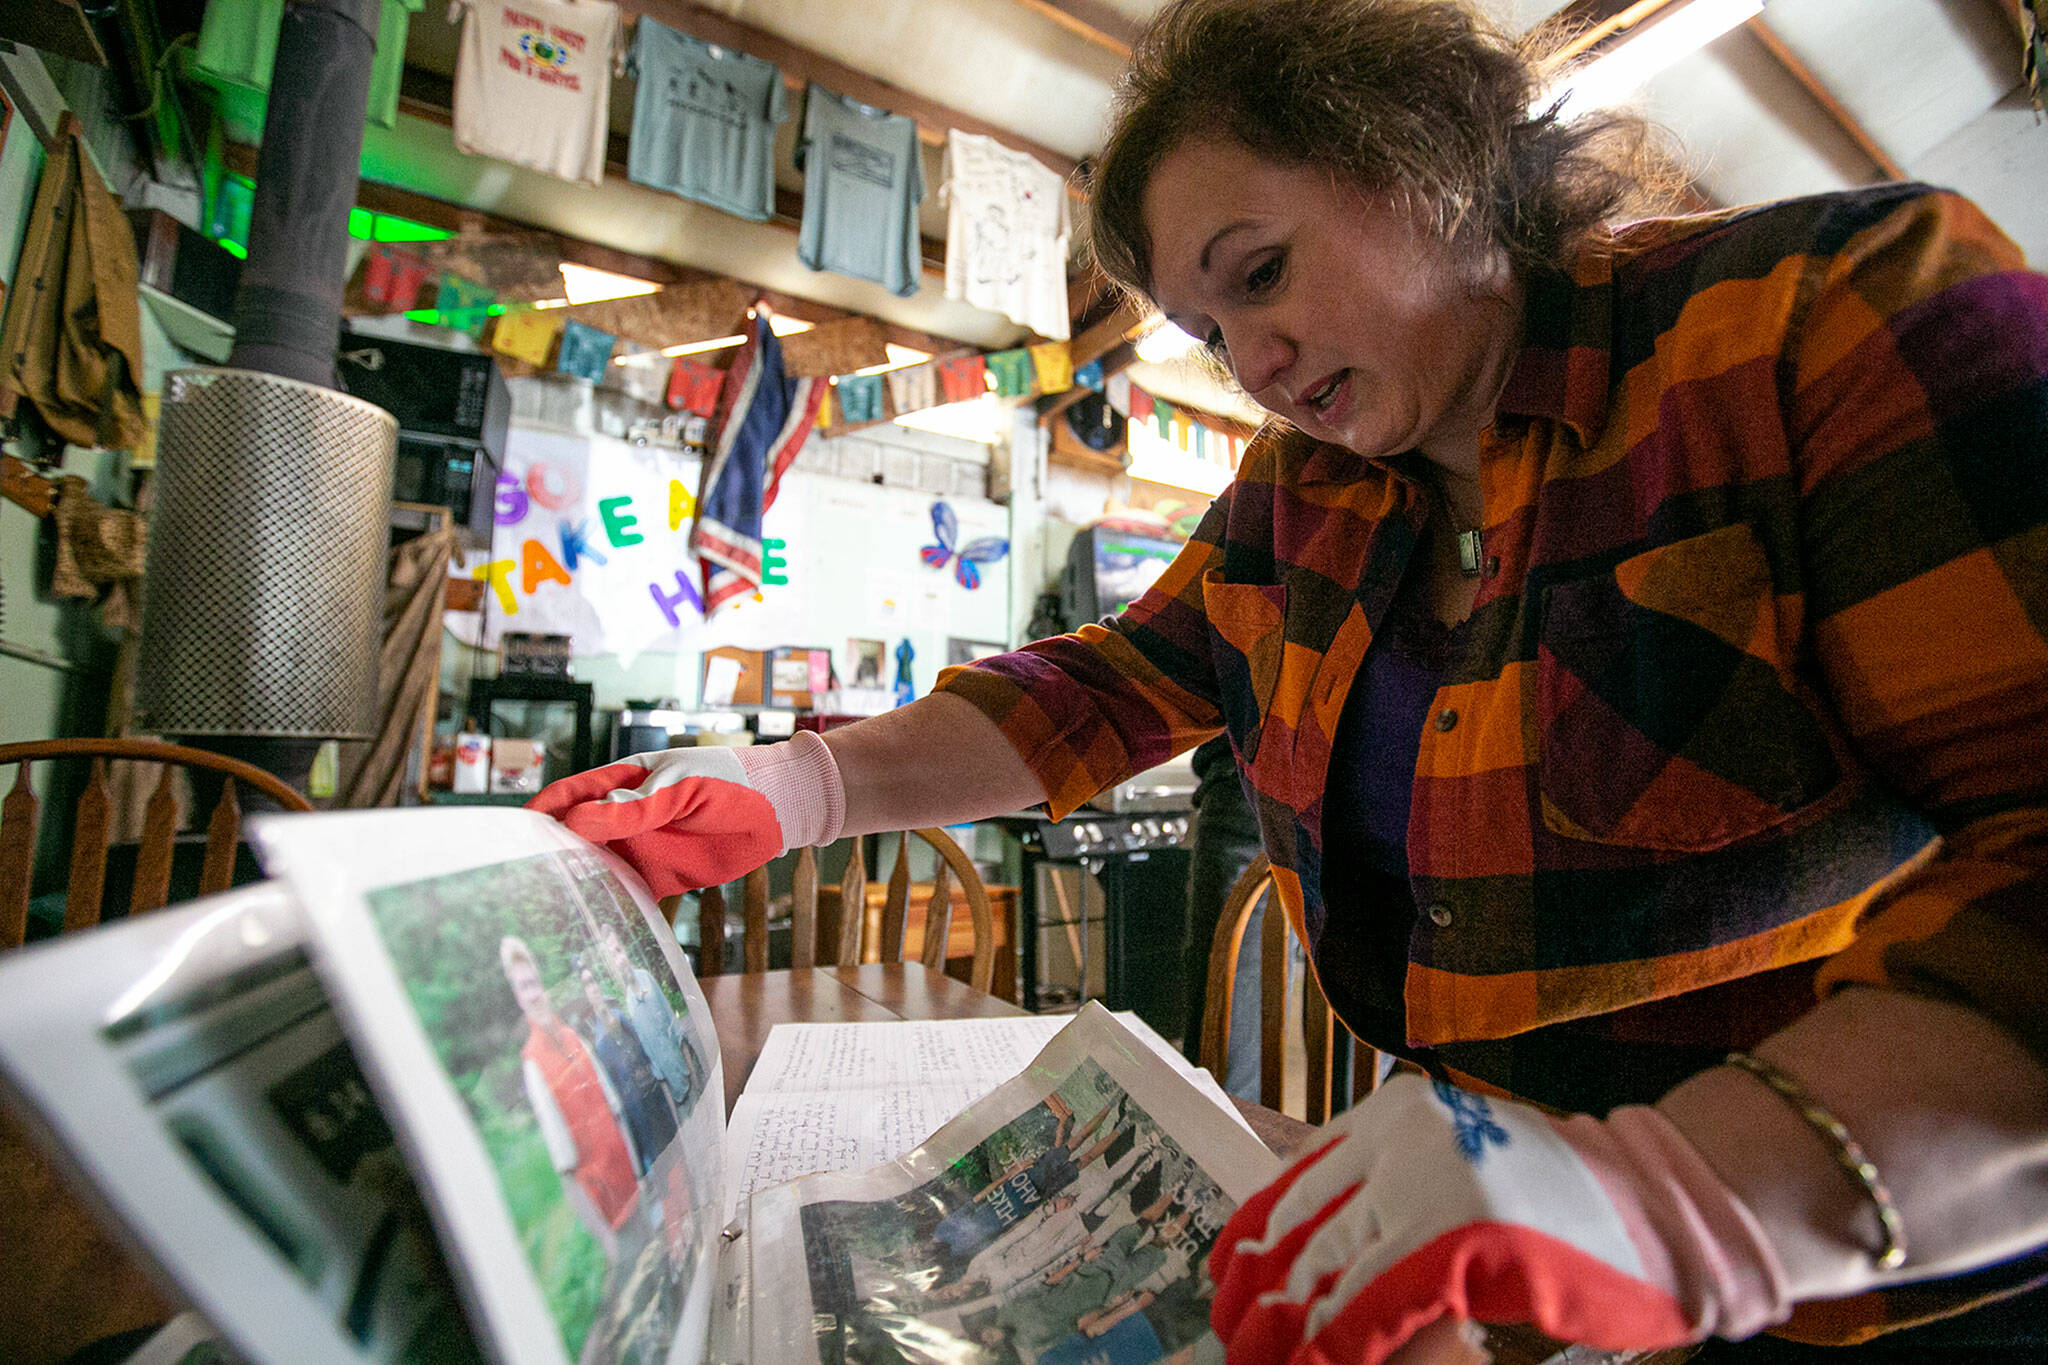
{"x": 1847, "y": 1152}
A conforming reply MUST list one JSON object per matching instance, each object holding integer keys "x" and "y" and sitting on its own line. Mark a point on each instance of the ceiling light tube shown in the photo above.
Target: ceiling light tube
{"x": 1678, "y": 32}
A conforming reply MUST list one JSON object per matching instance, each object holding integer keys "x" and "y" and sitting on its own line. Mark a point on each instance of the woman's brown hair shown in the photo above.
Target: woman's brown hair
{"x": 1422, "y": 99}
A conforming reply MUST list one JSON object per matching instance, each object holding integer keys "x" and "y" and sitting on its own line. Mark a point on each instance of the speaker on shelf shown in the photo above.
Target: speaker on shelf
{"x": 452, "y": 409}
{"x": 433, "y": 391}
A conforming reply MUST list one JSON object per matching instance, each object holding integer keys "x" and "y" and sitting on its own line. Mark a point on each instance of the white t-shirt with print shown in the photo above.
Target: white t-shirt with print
{"x": 1006, "y": 233}
{"x": 533, "y": 82}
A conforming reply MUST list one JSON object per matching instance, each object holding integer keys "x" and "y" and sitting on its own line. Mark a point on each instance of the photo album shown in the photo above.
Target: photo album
{"x": 444, "y": 1088}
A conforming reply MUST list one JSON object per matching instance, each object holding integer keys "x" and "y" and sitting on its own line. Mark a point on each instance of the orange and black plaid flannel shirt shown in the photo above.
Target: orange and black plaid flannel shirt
{"x": 1765, "y": 608}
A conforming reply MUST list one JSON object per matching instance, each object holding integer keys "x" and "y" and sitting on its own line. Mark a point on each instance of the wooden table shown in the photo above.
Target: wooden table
{"x": 744, "y": 1007}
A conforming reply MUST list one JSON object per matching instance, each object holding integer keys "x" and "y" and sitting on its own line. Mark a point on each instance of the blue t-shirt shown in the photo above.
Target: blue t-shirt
{"x": 1130, "y": 1342}
{"x": 704, "y": 121}
{"x": 863, "y": 180}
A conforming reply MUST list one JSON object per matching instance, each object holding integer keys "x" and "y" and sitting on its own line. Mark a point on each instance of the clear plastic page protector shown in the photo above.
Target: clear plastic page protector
{"x": 547, "y": 1063}
{"x": 1067, "y": 1217}
{"x": 846, "y": 1097}
{"x": 191, "y": 1069}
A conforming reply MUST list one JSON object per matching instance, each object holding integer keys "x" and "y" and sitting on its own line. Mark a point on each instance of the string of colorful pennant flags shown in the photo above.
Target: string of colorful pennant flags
{"x": 396, "y": 280}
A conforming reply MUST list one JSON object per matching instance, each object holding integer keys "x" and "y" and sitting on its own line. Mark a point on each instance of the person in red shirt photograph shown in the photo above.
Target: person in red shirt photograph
{"x": 573, "y": 1105}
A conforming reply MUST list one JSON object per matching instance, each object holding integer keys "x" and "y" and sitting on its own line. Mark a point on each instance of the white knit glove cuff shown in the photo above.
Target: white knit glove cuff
{"x": 801, "y": 781}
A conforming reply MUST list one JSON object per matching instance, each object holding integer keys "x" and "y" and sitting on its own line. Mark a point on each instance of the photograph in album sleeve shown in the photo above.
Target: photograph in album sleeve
{"x": 552, "y": 1010}
{"x": 1078, "y": 1231}
{"x": 254, "y": 1081}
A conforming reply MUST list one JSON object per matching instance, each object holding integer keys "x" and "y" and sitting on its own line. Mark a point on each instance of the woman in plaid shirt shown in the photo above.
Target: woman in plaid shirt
{"x": 1634, "y": 641}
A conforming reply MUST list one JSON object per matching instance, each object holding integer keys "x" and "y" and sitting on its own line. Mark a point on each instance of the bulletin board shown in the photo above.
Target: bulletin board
{"x": 592, "y": 542}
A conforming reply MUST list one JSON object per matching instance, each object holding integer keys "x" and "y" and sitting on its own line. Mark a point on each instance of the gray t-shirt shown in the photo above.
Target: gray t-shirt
{"x": 863, "y": 181}
{"x": 704, "y": 121}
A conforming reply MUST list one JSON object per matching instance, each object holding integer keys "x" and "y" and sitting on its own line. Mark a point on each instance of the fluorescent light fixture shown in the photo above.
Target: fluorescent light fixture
{"x": 1165, "y": 342}
{"x": 551, "y": 303}
{"x": 899, "y": 357}
{"x": 700, "y": 347}
{"x": 1677, "y": 32}
{"x": 787, "y": 326}
{"x": 586, "y": 284}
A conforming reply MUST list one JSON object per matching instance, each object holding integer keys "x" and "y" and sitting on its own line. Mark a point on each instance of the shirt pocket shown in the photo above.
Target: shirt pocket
{"x": 1665, "y": 716}
{"x": 1247, "y": 640}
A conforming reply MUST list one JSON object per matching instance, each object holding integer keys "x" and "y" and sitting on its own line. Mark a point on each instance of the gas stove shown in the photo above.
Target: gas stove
{"x": 1093, "y": 834}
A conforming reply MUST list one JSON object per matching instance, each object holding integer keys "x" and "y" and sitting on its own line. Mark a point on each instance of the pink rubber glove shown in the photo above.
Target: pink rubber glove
{"x": 690, "y": 818}
{"x": 1434, "y": 1203}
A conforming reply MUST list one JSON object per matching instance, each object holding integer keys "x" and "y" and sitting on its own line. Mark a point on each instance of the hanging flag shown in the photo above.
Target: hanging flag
{"x": 1054, "y": 361}
{"x": 693, "y": 386}
{"x": 1012, "y": 370}
{"x": 762, "y": 421}
{"x": 859, "y": 397}
{"x": 393, "y": 278}
{"x": 1117, "y": 391}
{"x": 1162, "y": 413}
{"x": 526, "y": 334}
{"x": 963, "y": 378}
{"x": 1089, "y": 376}
{"x": 463, "y": 304}
{"x": 914, "y": 387}
{"x": 585, "y": 351}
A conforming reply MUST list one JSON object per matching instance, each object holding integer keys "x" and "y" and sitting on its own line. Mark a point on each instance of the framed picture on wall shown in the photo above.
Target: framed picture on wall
{"x": 866, "y": 663}
{"x": 959, "y": 651}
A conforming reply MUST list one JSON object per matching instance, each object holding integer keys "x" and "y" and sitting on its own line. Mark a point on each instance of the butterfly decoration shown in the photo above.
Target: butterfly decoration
{"x": 1471, "y": 1120}
{"x": 970, "y": 557}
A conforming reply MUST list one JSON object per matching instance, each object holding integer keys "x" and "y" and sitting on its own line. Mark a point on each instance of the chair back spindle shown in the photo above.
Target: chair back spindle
{"x": 803, "y": 910}
{"x": 1319, "y": 1025}
{"x": 93, "y": 820}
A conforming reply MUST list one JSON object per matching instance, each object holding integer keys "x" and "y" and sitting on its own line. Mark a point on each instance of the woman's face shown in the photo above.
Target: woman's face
{"x": 1334, "y": 310}
{"x": 529, "y": 992}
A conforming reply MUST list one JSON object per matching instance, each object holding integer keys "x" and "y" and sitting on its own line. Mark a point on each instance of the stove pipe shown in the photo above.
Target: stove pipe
{"x": 264, "y": 588}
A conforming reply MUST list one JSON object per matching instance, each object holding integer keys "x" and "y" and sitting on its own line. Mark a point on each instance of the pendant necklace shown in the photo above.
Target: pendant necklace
{"x": 1469, "y": 546}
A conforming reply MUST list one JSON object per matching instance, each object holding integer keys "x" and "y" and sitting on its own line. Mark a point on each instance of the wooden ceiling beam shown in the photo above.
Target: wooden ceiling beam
{"x": 800, "y": 65}
{"x": 1092, "y": 20}
{"x": 457, "y": 218}
{"x": 1817, "y": 90}
{"x": 1593, "y": 22}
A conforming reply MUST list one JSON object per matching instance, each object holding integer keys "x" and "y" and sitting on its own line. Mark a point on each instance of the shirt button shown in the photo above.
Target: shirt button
{"x": 1440, "y": 916}
{"x": 1446, "y": 720}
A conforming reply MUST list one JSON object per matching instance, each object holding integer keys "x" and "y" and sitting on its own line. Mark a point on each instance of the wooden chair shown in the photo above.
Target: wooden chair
{"x": 837, "y": 936}
{"x": 85, "y": 888}
{"x": 58, "y": 1262}
{"x": 1318, "y": 1024}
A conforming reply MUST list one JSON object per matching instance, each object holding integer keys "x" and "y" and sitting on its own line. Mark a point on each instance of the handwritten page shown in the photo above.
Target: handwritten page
{"x": 845, "y": 1097}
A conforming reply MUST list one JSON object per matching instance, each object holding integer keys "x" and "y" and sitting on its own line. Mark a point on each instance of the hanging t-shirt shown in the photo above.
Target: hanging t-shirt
{"x": 914, "y": 387}
{"x": 1006, "y": 233}
{"x": 1013, "y": 373}
{"x": 863, "y": 181}
{"x": 704, "y": 121}
{"x": 238, "y": 46}
{"x": 533, "y": 83}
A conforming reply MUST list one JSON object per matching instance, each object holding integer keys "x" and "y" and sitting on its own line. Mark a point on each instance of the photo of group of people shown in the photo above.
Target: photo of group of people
{"x": 556, "y": 1015}
{"x": 1076, "y": 1232}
